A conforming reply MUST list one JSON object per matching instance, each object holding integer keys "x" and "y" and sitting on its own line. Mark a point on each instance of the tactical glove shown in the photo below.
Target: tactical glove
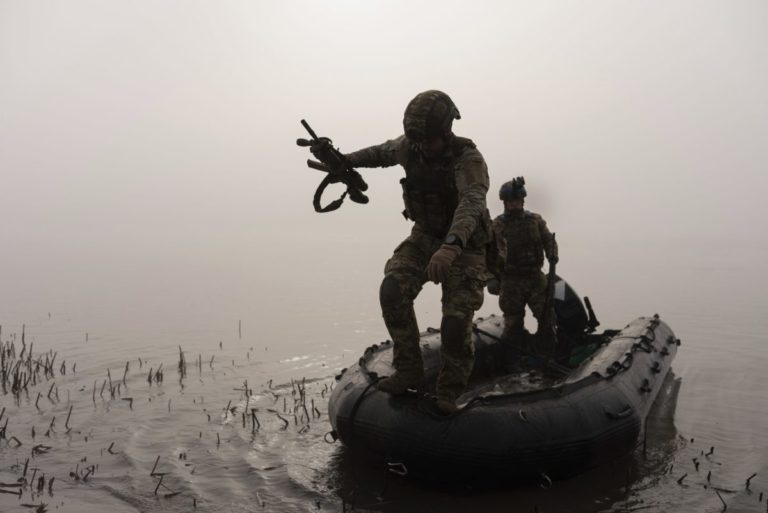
{"x": 552, "y": 254}
{"x": 320, "y": 147}
{"x": 323, "y": 151}
{"x": 437, "y": 269}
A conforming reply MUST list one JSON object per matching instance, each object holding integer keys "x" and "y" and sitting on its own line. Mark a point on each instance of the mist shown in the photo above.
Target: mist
{"x": 150, "y": 174}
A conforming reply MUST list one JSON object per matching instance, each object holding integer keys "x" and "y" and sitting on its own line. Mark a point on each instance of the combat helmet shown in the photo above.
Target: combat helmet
{"x": 514, "y": 189}
{"x": 429, "y": 114}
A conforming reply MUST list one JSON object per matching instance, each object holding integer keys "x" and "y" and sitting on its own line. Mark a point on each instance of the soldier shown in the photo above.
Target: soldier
{"x": 522, "y": 239}
{"x": 444, "y": 189}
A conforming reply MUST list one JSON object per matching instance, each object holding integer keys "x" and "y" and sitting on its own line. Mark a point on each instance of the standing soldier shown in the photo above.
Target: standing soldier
{"x": 444, "y": 189}
{"x": 522, "y": 241}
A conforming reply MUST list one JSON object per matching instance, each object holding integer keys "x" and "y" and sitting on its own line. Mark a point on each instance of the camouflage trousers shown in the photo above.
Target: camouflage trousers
{"x": 404, "y": 277}
{"x": 518, "y": 290}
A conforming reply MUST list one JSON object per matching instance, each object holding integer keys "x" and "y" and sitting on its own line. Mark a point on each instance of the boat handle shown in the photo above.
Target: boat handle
{"x": 626, "y": 412}
{"x": 397, "y": 468}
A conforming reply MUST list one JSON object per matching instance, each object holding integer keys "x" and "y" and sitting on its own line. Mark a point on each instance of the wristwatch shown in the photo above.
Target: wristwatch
{"x": 453, "y": 240}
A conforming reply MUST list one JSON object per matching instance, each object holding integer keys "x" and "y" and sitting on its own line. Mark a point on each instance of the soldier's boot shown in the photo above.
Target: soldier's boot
{"x": 546, "y": 336}
{"x": 458, "y": 356}
{"x": 406, "y": 352}
{"x": 400, "y": 382}
{"x": 513, "y": 342}
{"x": 446, "y": 406}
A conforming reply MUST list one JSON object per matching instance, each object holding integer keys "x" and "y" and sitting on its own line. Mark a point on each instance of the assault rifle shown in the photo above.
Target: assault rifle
{"x": 545, "y": 336}
{"x": 339, "y": 170}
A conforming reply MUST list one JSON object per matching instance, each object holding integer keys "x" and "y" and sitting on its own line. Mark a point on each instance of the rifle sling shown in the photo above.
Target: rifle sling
{"x": 333, "y": 205}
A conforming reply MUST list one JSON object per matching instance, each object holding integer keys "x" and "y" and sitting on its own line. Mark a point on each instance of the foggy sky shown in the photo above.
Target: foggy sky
{"x": 147, "y": 155}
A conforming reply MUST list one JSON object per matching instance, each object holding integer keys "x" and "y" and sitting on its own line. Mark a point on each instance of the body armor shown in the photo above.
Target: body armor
{"x": 525, "y": 247}
{"x": 429, "y": 189}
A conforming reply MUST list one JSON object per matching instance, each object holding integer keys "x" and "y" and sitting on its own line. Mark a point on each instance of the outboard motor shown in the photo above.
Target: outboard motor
{"x": 574, "y": 320}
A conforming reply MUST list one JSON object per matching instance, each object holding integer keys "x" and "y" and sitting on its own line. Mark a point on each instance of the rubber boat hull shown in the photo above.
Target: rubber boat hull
{"x": 591, "y": 416}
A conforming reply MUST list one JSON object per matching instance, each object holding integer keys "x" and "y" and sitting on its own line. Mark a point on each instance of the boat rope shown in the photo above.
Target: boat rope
{"x": 357, "y": 404}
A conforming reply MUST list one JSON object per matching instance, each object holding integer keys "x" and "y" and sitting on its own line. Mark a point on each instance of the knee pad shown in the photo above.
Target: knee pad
{"x": 389, "y": 293}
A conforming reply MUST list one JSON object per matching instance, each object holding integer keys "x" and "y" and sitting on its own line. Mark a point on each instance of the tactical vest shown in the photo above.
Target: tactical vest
{"x": 429, "y": 189}
{"x": 525, "y": 249}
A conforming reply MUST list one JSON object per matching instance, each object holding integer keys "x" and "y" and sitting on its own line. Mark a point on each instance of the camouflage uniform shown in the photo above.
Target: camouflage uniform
{"x": 522, "y": 239}
{"x": 443, "y": 196}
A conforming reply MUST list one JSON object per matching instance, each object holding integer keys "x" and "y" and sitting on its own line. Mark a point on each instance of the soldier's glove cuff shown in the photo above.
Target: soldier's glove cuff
{"x": 441, "y": 261}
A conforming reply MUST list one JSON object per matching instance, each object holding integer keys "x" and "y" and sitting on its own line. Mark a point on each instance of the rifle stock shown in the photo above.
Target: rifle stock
{"x": 545, "y": 320}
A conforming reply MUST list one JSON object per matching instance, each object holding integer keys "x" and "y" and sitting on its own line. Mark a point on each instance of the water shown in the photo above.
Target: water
{"x": 153, "y": 198}
{"x": 301, "y": 335}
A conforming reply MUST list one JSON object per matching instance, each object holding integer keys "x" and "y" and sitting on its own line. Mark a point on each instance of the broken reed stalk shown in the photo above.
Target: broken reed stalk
{"x": 182, "y": 364}
{"x": 66, "y": 423}
{"x": 159, "y": 483}
{"x": 109, "y": 377}
{"x": 154, "y": 467}
{"x": 725, "y": 506}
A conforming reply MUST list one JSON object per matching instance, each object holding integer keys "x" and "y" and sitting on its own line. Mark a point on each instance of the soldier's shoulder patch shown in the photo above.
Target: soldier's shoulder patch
{"x": 401, "y": 147}
{"x": 471, "y": 168}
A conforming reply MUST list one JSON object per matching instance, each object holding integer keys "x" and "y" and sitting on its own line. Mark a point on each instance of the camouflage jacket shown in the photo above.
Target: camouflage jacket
{"x": 444, "y": 196}
{"x": 522, "y": 239}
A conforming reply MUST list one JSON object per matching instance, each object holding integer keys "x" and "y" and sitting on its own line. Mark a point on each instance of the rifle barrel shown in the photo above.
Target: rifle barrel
{"x": 309, "y": 129}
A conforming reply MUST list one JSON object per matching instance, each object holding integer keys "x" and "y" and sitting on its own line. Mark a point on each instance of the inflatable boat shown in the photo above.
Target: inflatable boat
{"x": 532, "y": 420}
